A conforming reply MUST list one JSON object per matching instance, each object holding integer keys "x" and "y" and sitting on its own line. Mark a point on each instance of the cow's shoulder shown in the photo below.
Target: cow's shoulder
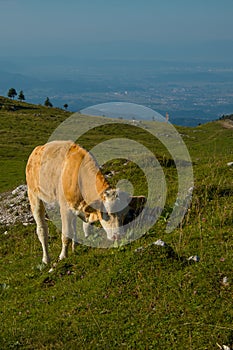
{"x": 76, "y": 154}
{"x": 81, "y": 176}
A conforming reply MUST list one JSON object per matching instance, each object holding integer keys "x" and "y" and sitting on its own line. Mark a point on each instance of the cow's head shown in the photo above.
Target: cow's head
{"x": 114, "y": 210}
{"x": 112, "y": 215}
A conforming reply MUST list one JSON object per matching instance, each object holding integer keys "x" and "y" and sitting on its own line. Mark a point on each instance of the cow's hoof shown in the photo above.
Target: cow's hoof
{"x": 46, "y": 260}
{"x": 62, "y": 257}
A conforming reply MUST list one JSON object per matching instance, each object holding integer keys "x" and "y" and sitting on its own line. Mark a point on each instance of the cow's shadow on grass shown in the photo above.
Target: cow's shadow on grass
{"x": 162, "y": 253}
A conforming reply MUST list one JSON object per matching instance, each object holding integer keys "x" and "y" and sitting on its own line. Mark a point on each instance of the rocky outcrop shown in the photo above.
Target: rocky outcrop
{"x": 15, "y": 208}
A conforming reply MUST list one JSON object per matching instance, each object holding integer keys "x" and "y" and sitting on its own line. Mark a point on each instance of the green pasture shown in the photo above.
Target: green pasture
{"x": 136, "y": 296}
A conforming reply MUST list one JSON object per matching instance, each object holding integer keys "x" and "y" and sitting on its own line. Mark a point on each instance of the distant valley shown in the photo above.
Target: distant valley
{"x": 191, "y": 93}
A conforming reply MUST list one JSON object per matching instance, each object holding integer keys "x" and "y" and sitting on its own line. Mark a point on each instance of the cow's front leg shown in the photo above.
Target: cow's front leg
{"x": 67, "y": 231}
{"x": 75, "y": 237}
{"x": 87, "y": 228}
{"x": 65, "y": 246}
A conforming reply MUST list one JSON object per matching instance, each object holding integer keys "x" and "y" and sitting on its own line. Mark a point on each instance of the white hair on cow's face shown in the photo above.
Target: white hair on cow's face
{"x": 115, "y": 201}
{"x": 116, "y": 207}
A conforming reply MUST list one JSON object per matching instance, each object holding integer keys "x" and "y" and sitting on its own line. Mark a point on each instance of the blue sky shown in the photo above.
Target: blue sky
{"x": 116, "y": 27}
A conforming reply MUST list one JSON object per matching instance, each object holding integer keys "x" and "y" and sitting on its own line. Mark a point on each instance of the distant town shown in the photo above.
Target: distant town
{"x": 190, "y": 93}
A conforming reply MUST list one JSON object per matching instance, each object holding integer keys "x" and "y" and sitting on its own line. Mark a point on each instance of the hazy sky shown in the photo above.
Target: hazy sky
{"x": 114, "y": 27}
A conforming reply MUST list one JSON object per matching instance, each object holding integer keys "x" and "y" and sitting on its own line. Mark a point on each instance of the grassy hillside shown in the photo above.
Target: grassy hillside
{"x": 124, "y": 298}
{"x": 22, "y": 127}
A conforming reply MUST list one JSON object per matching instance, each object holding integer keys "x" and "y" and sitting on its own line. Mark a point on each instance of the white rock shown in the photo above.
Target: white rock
{"x": 194, "y": 258}
{"x": 140, "y": 249}
{"x": 230, "y": 164}
{"x": 225, "y": 279}
{"x": 225, "y": 347}
{"x": 21, "y": 188}
{"x": 160, "y": 243}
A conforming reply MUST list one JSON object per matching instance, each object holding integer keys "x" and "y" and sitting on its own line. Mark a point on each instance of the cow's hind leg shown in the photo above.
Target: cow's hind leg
{"x": 38, "y": 211}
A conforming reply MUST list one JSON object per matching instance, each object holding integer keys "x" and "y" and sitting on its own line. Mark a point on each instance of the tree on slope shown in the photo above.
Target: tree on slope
{"x": 12, "y": 93}
{"x": 47, "y": 103}
{"x": 21, "y": 96}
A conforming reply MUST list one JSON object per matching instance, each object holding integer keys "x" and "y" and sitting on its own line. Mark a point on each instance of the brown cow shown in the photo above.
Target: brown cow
{"x": 64, "y": 172}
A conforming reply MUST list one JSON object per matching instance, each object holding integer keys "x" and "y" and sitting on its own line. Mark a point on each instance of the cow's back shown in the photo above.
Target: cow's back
{"x": 44, "y": 168}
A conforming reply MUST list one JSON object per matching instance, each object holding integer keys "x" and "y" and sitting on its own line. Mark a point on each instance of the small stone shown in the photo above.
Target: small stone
{"x": 138, "y": 250}
{"x": 160, "y": 243}
{"x": 194, "y": 258}
{"x": 225, "y": 279}
{"x": 225, "y": 282}
{"x": 225, "y": 347}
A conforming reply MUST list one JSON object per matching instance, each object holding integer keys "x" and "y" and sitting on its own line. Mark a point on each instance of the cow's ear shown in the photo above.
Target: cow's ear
{"x": 90, "y": 208}
{"x": 89, "y": 213}
{"x": 93, "y": 211}
{"x": 137, "y": 203}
